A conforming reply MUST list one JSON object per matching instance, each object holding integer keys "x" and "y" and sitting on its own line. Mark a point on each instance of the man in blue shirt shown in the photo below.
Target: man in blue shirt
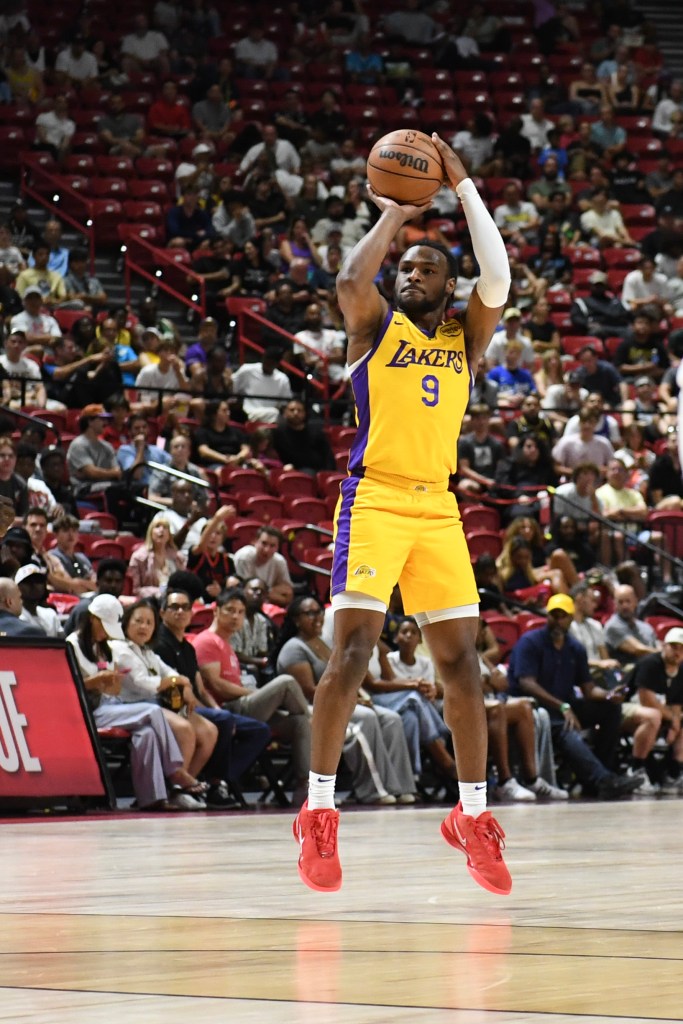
{"x": 551, "y": 666}
{"x": 135, "y": 455}
{"x": 514, "y": 382}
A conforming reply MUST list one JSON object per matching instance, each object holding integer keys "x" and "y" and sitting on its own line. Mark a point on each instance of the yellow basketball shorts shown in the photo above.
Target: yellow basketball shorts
{"x": 394, "y": 530}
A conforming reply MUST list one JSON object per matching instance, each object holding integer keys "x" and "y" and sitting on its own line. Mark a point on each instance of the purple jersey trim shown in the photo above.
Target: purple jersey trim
{"x": 361, "y": 394}
{"x": 340, "y": 560}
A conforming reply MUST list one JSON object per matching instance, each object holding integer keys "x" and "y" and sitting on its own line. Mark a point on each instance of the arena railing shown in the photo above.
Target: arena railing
{"x": 29, "y": 418}
{"x": 166, "y": 269}
{"x": 53, "y": 192}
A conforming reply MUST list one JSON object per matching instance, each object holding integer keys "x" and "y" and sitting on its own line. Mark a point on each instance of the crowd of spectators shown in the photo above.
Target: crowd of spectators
{"x": 245, "y": 134}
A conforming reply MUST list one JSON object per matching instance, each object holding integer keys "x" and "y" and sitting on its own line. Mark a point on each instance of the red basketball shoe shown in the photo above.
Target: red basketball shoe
{"x": 481, "y": 840}
{"x": 316, "y": 834}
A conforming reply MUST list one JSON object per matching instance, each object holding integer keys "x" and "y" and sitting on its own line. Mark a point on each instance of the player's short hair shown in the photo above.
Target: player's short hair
{"x": 451, "y": 261}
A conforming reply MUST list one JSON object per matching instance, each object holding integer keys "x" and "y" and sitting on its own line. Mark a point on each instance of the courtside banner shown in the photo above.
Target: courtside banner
{"x": 48, "y": 744}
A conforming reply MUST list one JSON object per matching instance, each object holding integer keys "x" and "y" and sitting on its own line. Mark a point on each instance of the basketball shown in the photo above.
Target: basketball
{"x": 405, "y": 166}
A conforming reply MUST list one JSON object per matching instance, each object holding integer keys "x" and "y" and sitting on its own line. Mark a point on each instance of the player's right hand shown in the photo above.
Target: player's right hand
{"x": 408, "y": 211}
{"x": 453, "y": 166}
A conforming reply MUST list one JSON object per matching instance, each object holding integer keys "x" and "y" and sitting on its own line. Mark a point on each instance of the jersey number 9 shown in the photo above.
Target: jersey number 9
{"x": 430, "y": 386}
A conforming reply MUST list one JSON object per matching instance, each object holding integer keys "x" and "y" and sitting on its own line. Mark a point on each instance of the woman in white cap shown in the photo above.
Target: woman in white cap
{"x": 155, "y": 755}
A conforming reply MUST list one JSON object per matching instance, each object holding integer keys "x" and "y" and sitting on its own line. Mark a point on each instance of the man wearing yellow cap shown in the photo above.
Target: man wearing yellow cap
{"x": 551, "y": 666}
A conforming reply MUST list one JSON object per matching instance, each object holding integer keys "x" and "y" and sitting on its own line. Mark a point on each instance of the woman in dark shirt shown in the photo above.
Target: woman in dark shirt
{"x": 524, "y": 475}
{"x": 217, "y": 442}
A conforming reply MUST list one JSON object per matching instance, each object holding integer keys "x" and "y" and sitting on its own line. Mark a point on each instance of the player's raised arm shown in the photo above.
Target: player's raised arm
{"x": 363, "y": 307}
{"x": 491, "y": 290}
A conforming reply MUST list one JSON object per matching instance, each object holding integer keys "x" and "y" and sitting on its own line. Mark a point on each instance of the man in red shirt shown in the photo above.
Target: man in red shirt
{"x": 168, "y": 116}
{"x": 280, "y": 703}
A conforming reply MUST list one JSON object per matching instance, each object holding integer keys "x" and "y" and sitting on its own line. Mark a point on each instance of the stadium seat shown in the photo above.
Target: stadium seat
{"x": 241, "y": 532}
{"x": 310, "y": 510}
{"x": 114, "y": 166}
{"x": 670, "y": 524}
{"x": 479, "y": 517}
{"x": 505, "y": 630}
{"x": 108, "y": 188}
{"x": 147, "y": 189}
{"x": 242, "y": 481}
{"x": 300, "y": 485}
{"x": 263, "y": 507}
{"x": 572, "y": 344}
{"x": 328, "y": 483}
{"x": 482, "y": 542}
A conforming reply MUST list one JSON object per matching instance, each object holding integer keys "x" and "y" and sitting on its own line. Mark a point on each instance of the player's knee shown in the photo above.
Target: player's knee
{"x": 460, "y": 669}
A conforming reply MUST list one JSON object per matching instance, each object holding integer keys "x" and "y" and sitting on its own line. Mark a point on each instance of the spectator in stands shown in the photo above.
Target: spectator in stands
{"x": 328, "y": 119}
{"x": 187, "y": 225}
{"x": 262, "y": 559}
{"x": 111, "y": 578}
{"x": 665, "y": 477}
{"x": 587, "y": 92}
{"x": 544, "y": 335}
{"x": 599, "y": 314}
{"x": 511, "y": 330}
{"x": 299, "y": 444}
{"x": 578, "y": 498}
{"x": 607, "y": 134}
{"x": 11, "y": 257}
{"x": 565, "y": 536}
{"x": 197, "y": 353}
{"x": 76, "y": 66}
{"x": 380, "y": 761}
{"x": 20, "y": 368}
{"x": 551, "y": 666}
{"x": 185, "y": 514}
{"x": 662, "y": 119}
{"x": 64, "y": 373}
{"x": 607, "y": 425}
{"x": 92, "y": 462}
{"x": 25, "y": 235}
{"x": 323, "y": 340}
{"x": 553, "y": 569}
{"x": 363, "y": 64}
{"x": 263, "y": 386}
{"x": 59, "y": 254}
{"x": 644, "y": 286}
{"x": 218, "y": 442}
{"x": 82, "y": 287}
{"x": 629, "y": 638}
{"x": 32, "y": 583}
{"x": 548, "y": 185}
{"x": 39, "y": 494}
{"x": 240, "y": 739}
{"x": 207, "y": 559}
{"x": 281, "y": 153}
{"x": 585, "y": 446}
{"x": 55, "y": 129}
{"x": 484, "y": 390}
{"x": 53, "y": 471}
{"x": 516, "y": 219}
{"x": 155, "y": 754}
{"x": 514, "y": 382}
{"x": 674, "y": 197}
{"x": 297, "y": 244}
{"x": 476, "y": 144}
{"x": 35, "y": 523}
{"x": 522, "y": 475}
{"x": 479, "y": 452}
{"x": 642, "y": 352}
{"x": 160, "y": 483}
{"x": 16, "y": 550}
{"x": 11, "y": 608}
{"x": 627, "y": 180}
{"x": 644, "y": 411}
{"x": 11, "y": 484}
{"x": 133, "y": 456}
{"x": 120, "y": 131}
{"x": 549, "y": 374}
{"x": 150, "y": 680}
{"x": 144, "y": 49}
{"x": 255, "y": 56}
{"x": 71, "y": 570}
{"x": 48, "y": 284}
{"x": 168, "y": 373}
{"x": 530, "y": 421}
{"x": 598, "y": 376}
{"x": 213, "y": 119}
{"x": 152, "y": 563}
{"x": 525, "y": 287}
{"x": 267, "y": 204}
{"x": 254, "y": 643}
{"x": 603, "y": 226}
{"x": 291, "y": 120}
{"x": 535, "y": 125}
{"x": 620, "y": 502}
{"x": 24, "y": 80}
{"x": 659, "y": 682}
{"x": 280, "y": 702}
{"x": 232, "y": 220}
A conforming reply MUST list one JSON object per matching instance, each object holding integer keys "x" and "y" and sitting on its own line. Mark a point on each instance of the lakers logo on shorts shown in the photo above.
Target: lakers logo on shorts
{"x": 365, "y": 570}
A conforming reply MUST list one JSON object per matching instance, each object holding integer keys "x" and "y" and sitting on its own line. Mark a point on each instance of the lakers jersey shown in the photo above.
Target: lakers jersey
{"x": 411, "y": 392}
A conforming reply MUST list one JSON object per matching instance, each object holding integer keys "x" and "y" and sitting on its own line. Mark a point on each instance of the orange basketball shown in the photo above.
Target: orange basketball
{"x": 405, "y": 166}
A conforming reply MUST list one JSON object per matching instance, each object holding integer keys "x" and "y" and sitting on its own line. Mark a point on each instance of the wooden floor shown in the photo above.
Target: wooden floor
{"x": 202, "y": 918}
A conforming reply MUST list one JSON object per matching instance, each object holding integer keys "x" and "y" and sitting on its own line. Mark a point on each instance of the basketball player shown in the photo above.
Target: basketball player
{"x": 396, "y": 520}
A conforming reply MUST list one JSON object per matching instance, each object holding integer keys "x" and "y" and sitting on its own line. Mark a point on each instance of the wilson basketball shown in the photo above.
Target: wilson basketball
{"x": 405, "y": 166}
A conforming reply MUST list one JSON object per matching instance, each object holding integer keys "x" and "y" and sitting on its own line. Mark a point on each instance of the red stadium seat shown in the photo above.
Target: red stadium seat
{"x": 114, "y": 166}
{"x": 505, "y": 630}
{"x": 328, "y": 483}
{"x": 263, "y": 507}
{"x": 154, "y": 167}
{"x": 108, "y": 188}
{"x": 572, "y": 344}
{"x": 242, "y": 531}
{"x": 242, "y": 481}
{"x": 310, "y": 510}
{"x": 148, "y": 189}
{"x": 299, "y": 485}
{"x": 479, "y": 517}
{"x": 482, "y": 542}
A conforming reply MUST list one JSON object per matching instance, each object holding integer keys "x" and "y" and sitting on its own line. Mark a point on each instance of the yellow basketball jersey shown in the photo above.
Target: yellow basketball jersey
{"x": 411, "y": 392}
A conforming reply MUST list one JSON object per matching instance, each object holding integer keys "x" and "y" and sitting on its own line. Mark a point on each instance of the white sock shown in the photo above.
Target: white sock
{"x": 473, "y": 797}
{"x": 320, "y": 791}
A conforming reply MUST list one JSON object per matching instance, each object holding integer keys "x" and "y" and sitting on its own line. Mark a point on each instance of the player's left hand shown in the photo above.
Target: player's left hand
{"x": 453, "y": 166}
{"x": 408, "y": 211}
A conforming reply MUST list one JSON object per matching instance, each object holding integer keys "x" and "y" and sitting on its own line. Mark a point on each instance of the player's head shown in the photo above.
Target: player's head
{"x": 426, "y": 278}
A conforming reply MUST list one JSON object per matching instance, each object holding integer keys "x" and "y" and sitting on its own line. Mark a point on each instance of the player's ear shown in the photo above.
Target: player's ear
{"x": 450, "y": 286}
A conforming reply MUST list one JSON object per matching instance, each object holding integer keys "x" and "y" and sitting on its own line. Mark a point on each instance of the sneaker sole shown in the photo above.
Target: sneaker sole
{"x": 479, "y": 879}
{"x": 307, "y": 881}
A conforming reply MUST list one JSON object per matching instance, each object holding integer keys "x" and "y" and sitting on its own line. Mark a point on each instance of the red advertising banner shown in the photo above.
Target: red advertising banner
{"x": 46, "y": 742}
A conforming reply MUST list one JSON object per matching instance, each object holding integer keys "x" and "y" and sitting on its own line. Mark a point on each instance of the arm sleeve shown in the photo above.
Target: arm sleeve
{"x": 489, "y": 249}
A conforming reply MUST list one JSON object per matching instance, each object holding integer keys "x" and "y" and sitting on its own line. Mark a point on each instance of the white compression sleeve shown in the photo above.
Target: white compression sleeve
{"x": 489, "y": 249}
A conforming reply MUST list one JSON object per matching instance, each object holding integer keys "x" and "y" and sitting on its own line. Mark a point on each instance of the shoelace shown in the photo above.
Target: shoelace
{"x": 489, "y": 832}
{"x": 324, "y": 829}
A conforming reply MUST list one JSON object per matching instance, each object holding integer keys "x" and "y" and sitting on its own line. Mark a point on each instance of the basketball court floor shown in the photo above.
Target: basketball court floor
{"x": 202, "y": 918}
